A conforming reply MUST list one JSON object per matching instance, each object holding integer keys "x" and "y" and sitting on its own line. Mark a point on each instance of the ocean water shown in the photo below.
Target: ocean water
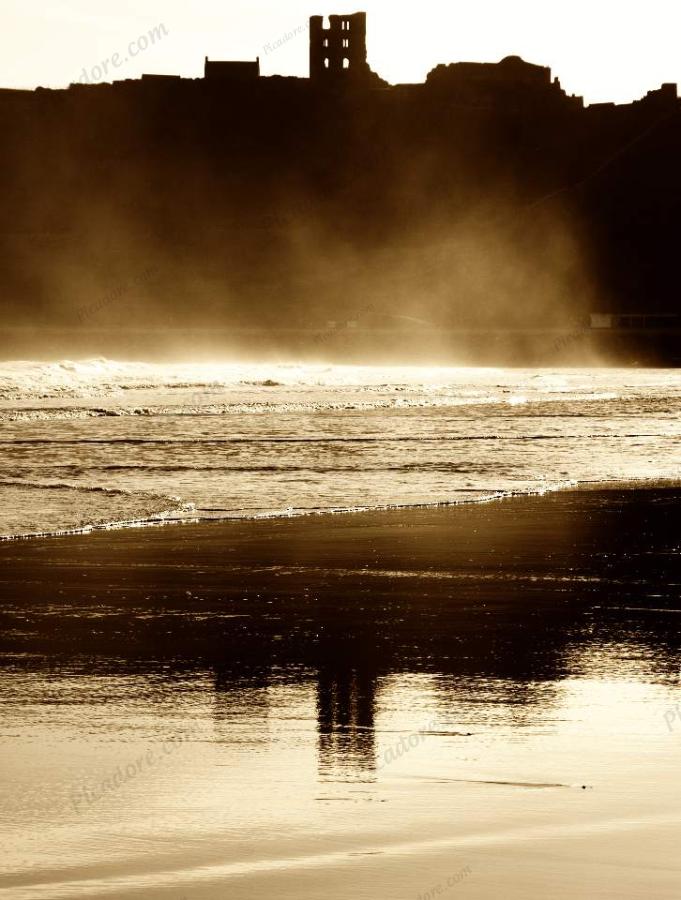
{"x": 99, "y": 443}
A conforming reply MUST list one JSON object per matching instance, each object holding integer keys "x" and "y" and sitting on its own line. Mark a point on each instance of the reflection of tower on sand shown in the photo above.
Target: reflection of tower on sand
{"x": 345, "y": 720}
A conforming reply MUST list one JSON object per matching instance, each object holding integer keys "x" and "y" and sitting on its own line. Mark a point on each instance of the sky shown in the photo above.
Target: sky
{"x": 601, "y": 49}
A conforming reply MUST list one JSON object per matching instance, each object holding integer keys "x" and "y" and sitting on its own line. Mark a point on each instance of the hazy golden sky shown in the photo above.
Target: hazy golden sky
{"x": 603, "y": 49}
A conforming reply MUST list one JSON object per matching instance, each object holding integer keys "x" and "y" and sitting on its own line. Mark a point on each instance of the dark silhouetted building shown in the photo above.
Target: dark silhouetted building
{"x": 512, "y": 83}
{"x": 233, "y": 72}
{"x": 338, "y": 54}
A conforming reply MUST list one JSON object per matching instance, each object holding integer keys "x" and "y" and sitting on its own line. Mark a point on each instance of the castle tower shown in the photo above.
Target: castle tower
{"x": 340, "y": 51}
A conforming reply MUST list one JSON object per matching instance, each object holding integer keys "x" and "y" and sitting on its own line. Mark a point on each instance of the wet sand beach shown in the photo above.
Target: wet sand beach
{"x": 472, "y": 701}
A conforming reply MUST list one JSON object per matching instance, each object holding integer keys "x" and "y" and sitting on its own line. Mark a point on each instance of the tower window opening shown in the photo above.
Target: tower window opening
{"x": 346, "y": 63}
{"x": 326, "y": 63}
{"x": 326, "y": 42}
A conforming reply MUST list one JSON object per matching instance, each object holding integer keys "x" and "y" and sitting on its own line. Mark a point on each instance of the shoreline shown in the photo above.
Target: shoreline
{"x": 205, "y": 520}
{"x": 435, "y": 538}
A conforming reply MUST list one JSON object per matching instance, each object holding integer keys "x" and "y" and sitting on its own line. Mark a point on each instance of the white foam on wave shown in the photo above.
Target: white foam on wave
{"x": 100, "y": 388}
{"x": 25, "y": 380}
{"x": 33, "y": 508}
{"x": 262, "y": 408}
{"x": 187, "y": 513}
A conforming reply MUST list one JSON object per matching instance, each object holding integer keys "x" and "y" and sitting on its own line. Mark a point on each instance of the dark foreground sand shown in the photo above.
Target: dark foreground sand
{"x": 488, "y": 592}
